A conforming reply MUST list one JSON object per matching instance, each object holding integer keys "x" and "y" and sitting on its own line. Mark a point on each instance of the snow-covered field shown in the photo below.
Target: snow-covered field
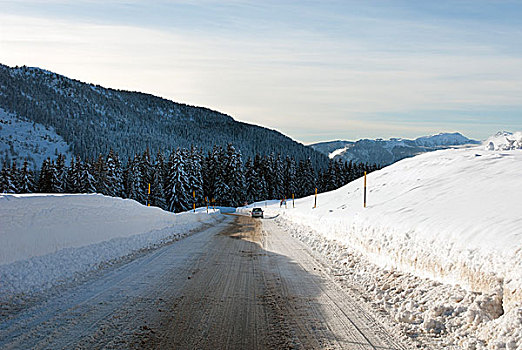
{"x": 441, "y": 238}
{"x": 46, "y": 239}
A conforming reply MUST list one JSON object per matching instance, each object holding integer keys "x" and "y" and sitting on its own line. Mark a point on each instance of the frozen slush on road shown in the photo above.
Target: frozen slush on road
{"x": 46, "y": 239}
{"x": 452, "y": 217}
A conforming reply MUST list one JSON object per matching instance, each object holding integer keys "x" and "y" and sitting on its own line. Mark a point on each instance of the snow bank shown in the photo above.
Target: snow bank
{"x": 48, "y": 238}
{"x": 451, "y": 215}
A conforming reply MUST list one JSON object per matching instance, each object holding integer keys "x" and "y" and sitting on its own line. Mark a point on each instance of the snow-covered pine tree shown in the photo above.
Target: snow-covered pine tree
{"x": 194, "y": 168}
{"x": 289, "y": 177}
{"x": 146, "y": 169}
{"x": 221, "y": 191}
{"x": 99, "y": 172}
{"x": 15, "y": 173}
{"x": 25, "y": 179}
{"x": 73, "y": 177}
{"x": 306, "y": 178}
{"x": 230, "y": 182}
{"x": 339, "y": 177}
{"x": 61, "y": 173}
{"x": 157, "y": 193}
{"x": 87, "y": 181}
{"x": 128, "y": 178}
{"x": 250, "y": 181}
{"x": 48, "y": 180}
{"x": 329, "y": 180}
{"x": 177, "y": 191}
{"x": 278, "y": 179}
{"x": 136, "y": 188}
{"x": 261, "y": 190}
{"x": 211, "y": 172}
{"x": 267, "y": 171}
{"x": 236, "y": 177}
{"x": 7, "y": 179}
{"x": 114, "y": 176}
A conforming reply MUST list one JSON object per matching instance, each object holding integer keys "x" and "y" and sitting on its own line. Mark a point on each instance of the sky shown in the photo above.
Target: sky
{"x": 314, "y": 70}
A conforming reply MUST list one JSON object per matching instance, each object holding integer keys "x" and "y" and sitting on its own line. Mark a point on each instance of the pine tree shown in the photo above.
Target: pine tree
{"x": 306, "y": 178}
{"x": 146, "y": 170}
{"x": 221, "y": 191}
{"x": 128, "y": 179}
{"x": 267, "y": 170}
{"x": 289, "y": 177}
{"x": 177, "y": 191}
{"x": 99, "y": 170}
{"x": 230, "y": 182}
{"x": 73, "y": 177}
{"x": 61, "y": 173}
{"x": 48, "y": 181}
{"x": 279, "y": 178}
{"x": 195, "y": 178}
{"x": 236, "y": 177}
{"x": 7, "y": 179}
{"x": 250, "y": 181}
{"x": 261, "y": 186}
{"x": 25, "y": 180}
{"x": 136, "y": 187}
{"x": 114, "y": 177}
{"x": 87, "y": 181}
{"x": 157, "y": 193}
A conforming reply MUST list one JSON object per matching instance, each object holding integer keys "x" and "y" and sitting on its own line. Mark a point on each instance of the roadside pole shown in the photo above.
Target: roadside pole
{"x": 365, "y": 189}
{"x": 206, "y": 202}
{"x": 293, "y": 201}
{"x": 315, "y": 202}
{"x": 194, "y": 196}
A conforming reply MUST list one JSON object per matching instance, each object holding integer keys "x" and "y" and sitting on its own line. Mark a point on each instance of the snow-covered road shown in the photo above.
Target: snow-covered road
{"x": 235, "y": 285}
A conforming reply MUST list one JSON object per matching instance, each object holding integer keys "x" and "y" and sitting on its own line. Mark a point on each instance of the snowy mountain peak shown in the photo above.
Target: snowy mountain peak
{"x": 444, "y": 139}
{"x": 503, "y": 141}
{"x": 385, "y": 152}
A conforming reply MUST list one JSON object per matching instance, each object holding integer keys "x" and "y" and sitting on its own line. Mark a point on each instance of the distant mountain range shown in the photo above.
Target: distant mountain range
{"x": 43, "y": 113}
{"x": 385, "y": 152}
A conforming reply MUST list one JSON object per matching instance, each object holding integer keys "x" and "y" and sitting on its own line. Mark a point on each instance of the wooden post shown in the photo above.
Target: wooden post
{"x": 293, "y": 201}
{"x": 365, "y": 189}
{"x": 315, "y": 203}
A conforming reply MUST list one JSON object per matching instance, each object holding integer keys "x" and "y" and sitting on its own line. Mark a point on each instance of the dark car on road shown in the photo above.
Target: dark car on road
{"x": 257, "y": 213}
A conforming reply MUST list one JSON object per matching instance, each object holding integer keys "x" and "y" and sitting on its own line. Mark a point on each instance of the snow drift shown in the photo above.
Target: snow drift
{"x": 452, "y": 215}
{"x": 47, "y": 238}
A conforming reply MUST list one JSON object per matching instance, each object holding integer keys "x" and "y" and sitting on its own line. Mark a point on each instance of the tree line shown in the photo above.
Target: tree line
{"x": 218, "y": 176}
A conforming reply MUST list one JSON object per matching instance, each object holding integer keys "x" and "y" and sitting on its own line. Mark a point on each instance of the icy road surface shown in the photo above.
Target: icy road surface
{"x": 236, "y": 285}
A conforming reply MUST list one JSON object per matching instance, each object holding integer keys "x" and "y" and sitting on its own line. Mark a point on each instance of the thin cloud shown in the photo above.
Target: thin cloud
{"x": 293, "y": 68}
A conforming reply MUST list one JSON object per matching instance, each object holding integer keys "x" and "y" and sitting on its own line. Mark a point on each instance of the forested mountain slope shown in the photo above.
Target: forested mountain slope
{"x": 92, "y": 119}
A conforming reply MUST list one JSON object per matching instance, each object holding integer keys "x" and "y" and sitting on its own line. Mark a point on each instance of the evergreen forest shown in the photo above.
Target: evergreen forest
{"x": 184, "y": 177}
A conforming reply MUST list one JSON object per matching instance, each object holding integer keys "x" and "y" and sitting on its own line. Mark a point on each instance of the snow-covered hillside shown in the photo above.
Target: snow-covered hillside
{"x": 452, "y": 216}
{"x": 23, "y": 139}
{"x": 45, "y": 239}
